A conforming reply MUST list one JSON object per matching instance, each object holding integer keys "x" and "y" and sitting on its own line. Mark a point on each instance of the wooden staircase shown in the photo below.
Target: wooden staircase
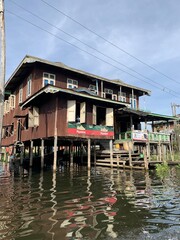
{"x": 121, "y": 159}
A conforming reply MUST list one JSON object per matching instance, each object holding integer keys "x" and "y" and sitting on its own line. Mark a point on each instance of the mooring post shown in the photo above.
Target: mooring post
{"x": 89, "y": 153}
{"x": 42, "y": 153}
{"x": 111, "y": 151}
{"x": 31, "y": 153}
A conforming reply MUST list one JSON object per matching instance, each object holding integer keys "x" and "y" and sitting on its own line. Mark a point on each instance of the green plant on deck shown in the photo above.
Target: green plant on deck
{"x": 162, "y": 170}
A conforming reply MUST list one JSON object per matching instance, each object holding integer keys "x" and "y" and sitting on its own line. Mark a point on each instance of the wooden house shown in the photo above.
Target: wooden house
{"x": 51, "y": 104}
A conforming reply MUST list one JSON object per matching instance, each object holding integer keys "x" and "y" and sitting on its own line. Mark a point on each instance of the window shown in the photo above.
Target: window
{"x": 48, "y": 78}
{"x": 122, "y": 96}
{"x": 21, "y": 93}
{"x": 12, "y": 129}
{"x": 12, "y": 101}
{"x": 133, "y": 101}
{"x": 29, "y": 80}
{"x": 33, "y": 117}
{"x": 72, "y": 83}
{"x": 114, "y": 97}
{"x": 92, "y": 88}
{"x": 108, "y": 91}
{"x": 76, "y": 111}
{"x": 6, "y": 106}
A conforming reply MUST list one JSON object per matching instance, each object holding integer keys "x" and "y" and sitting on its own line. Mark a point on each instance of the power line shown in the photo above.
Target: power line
{"x": 88, "y": 52}
{"x": 111, "y": 43}
{"x": 94, "y": 48}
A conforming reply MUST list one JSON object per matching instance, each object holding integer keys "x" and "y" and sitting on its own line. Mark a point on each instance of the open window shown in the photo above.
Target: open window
{"x": 33, "y": 117}
{"x": 101, "y": 116}
{"x": 76, "y": 111}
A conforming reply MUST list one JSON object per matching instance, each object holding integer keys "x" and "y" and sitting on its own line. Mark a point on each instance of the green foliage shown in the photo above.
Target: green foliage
{"x": 162, "y": 170}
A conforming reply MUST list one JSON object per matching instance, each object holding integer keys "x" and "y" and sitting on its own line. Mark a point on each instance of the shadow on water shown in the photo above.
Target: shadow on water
{"x": 73, "y": 203}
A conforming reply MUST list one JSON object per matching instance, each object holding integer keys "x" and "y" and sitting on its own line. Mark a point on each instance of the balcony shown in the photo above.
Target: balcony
{"x": 144, "y": 136}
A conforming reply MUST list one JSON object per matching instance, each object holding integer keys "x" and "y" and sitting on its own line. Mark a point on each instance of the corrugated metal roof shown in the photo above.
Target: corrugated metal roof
{"x": 30, "y": 59}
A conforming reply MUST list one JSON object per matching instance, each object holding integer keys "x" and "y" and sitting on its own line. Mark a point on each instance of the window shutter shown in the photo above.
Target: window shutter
{"x": 94, "y": 115}
{"x": 109, "y": 117}
{"x": 30, "y": 118}
{"x": 36, "y": 116}
{"x": 83, "y": 112}
{"x": 71, "y": 111}
{"x": 12, "y": 101}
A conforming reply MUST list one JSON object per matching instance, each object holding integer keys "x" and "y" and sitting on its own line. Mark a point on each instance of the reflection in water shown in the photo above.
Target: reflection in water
{"x": 97, "y": 204}
{"x": 53, "y": 207}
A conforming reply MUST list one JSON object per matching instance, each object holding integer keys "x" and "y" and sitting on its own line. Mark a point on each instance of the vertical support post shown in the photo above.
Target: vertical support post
{"x": 102, "y": 89}
{"x": 55, "y": 136}
{"x": 160, "y": 152}
{"x": 148, "y": 151}
{"x": 55, "y": 153}
{"x": 42, "y": 153}
{"x": 164, "y": 152}
{"x": 111, "y": 151}
{"x": 131, "y": 123}
{"x": 145, "y": 158}
{"x": 89, "y": 153}
{"x": 81, "y": 152}
{"x": 22, "y": 155}
{"x": 171, "y": 153}
{"x": 94, "y": 153}
{"x": 31, "y": 153}
{"x": 71, "y": 154}
{"x": 130, "y": 157}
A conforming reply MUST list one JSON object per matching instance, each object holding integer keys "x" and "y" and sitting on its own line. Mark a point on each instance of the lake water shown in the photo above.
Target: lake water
{"x": 100, "y": 204}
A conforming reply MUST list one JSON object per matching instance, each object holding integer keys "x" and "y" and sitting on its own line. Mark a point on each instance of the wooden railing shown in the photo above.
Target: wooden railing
{"x": 144, "y": 136}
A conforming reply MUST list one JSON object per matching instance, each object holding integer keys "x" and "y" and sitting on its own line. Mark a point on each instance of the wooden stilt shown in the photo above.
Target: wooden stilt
{"x": 81, "y": 152}
{"x": 94, "y": 153}
{"x": 71, "y": 154}
{"x": 145, "y": 158}
{"x": 171, "y": 154}
{"x": 160, "y": 152}
{"x": 89, "y": 153}
{"x": 22, "y": 155}
{"x": 55, "y": 154}
{"x": 111, "y": 151}
{"x": 42, "y": 153}
{"x": 31, "y": 153}
{"x": 130, "y": 157}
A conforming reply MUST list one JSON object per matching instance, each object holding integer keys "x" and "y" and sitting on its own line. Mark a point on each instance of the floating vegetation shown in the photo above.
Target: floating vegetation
{"x": 162, "y": 170}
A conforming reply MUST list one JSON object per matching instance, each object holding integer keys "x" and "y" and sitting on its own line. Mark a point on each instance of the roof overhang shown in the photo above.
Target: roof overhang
{"x": 28, "y": 62}
{"x": 146, "y": 116}
{"x": 49, "y": 89}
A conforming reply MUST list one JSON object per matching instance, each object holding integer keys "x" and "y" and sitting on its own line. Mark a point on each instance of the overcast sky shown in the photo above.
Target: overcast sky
{"x": 149, "y": 30}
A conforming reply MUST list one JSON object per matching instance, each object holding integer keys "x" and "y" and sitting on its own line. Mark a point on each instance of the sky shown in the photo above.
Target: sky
{"x": 134, "y": 41}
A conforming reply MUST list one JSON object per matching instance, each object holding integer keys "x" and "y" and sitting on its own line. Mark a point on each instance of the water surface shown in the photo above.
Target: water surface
{"x": 100, "y": 204}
